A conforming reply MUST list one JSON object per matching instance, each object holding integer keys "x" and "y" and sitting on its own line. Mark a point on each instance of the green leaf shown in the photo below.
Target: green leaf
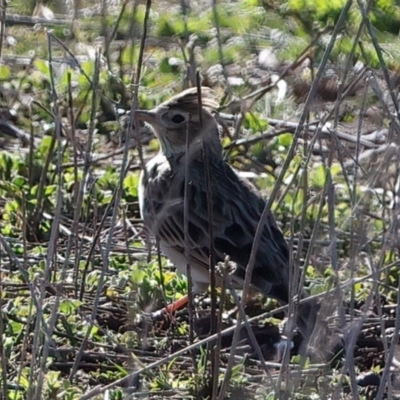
{"x": 23, "y": 380}
{"x": 43, "y": 67}
{"x": 63, "y": 79}
{"x": 45, "y": 145}
{"x": 16, "y": 327}
{"x": 165, "y": 67}
{"x": 318, "y": 177}
{"x": 6, "y": 166}
{"x": 68, "y": 306}
{"x": 5, "y": 72}
{"x": 255, "y": 122}
{"x": 336, "y": 169}
{"x": 285, "y": 140}
{"x": 129, "y": 55}
{"x": 50, "y": 189}
{"x": 385, "y": 4}
{"x": 131, "y": 183}
{"x": 19, "y": 181}
{"x": 53, "y": 379}
{"x": 317, "y": 288}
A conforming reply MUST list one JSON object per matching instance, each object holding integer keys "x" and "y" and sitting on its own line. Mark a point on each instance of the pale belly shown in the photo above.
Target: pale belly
{"x": 200, "y": 275}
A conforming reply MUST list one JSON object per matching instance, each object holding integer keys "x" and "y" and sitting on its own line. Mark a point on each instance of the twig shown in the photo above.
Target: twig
{"x": 314, "y": 127}
{"x": 186, "y": 210}
{"x": 235, "y": 340}
{"x": 95, "y": 100}
{"x": 52, "y": 251}
{"x": 3, "y": 16}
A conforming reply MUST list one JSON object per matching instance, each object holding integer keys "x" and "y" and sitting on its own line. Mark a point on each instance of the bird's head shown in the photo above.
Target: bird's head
{"x": 180, "y": 116}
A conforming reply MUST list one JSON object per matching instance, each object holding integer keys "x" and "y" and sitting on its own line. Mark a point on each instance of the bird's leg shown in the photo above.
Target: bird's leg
{"x": 172, "y": 307}
{"x": 177, "y": 304}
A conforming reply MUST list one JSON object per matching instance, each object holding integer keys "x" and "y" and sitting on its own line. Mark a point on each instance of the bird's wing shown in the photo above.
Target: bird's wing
{"x": 235, "y": 222}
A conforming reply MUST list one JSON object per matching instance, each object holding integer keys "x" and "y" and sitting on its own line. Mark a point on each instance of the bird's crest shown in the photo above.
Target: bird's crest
{"x": 188, "y": 100}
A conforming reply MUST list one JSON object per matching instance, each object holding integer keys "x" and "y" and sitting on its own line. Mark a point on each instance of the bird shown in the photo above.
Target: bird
{"x": 185, "y": 129}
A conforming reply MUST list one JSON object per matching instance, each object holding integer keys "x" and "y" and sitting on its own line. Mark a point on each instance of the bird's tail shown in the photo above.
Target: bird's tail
{"x": 319, "y": 340}
{"x": 307, "y": 316}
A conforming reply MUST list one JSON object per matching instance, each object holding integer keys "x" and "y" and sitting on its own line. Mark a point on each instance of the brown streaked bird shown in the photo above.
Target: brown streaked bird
{"x": 237, "y": 204}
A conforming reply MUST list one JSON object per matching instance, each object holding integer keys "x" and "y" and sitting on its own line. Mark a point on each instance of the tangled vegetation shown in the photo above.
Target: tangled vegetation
{"x": 309, "y": 111}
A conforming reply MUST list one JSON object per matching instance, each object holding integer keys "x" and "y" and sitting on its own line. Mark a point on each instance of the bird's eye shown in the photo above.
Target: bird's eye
{"x": 178, "y": 119}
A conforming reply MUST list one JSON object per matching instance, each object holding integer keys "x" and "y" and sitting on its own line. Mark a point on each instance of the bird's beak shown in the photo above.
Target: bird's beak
{"x": 146, "y": 116}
